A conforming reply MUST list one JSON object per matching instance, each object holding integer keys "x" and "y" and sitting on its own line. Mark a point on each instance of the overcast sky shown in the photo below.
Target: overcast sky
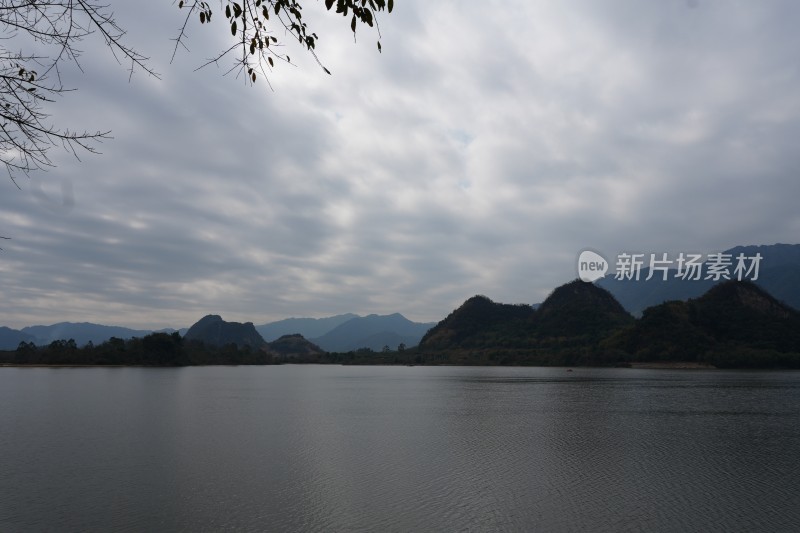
{"x": 485, "y": 147}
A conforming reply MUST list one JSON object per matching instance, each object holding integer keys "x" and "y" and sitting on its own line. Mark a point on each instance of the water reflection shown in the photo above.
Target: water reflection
{"x": 397, "y": 449}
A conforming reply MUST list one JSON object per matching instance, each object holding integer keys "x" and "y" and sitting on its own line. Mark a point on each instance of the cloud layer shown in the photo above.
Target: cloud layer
{"x": 479, "y": 153}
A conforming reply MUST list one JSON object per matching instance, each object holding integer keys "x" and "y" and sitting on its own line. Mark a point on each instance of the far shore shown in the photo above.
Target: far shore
{"x": 655, "y": 365}
{"x": 674, "y": 365}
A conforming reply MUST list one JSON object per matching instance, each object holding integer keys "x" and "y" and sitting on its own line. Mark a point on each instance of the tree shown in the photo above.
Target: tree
{"x": 48, "y": 31}
{"x": 31, "y": 80}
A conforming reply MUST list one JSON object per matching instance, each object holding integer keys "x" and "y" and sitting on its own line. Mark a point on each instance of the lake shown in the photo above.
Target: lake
{"x": 342, "y": 448}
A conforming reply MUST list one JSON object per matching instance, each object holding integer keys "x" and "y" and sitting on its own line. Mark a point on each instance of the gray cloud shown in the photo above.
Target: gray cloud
{"x": 479, "y": 153}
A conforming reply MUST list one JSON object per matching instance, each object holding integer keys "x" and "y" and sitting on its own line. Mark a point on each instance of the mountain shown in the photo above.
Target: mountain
{"x": 779, "y": 274}
{"x": 372, "y": 331}
{"x": 307, "y": 327}
{"x": 214, "y": 331}
{"x": 565, "y": 329}
{"x": 735, "y": 324}
{"x": 481, "y": 323}
{"x": 580, "y": 310}
{"x": 10, "y": 338}
{"x": 82, "y": 333}
{"x": 294, "y": 346}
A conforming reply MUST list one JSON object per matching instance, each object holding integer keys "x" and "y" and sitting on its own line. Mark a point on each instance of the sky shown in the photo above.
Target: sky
{"x": 479, "y": 153}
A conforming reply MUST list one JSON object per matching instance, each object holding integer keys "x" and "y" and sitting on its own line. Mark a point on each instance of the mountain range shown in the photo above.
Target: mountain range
{"x": 336, "y": 333}
{"x": 734, "y": 324}
{"x": 373, "y": 332}
{"x": 307, "y": 327}
{"x": 82, "y": 333}
{"x": 480, "y": 325}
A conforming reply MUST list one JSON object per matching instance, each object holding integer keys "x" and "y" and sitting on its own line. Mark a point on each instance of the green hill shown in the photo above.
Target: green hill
{"x": 481, "y": 323}
{"x": 735, "y": 324}
{"x": 565, "y": 329}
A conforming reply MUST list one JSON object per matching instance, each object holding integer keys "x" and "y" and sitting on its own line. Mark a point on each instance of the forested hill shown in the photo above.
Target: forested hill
{"x": 735, "y": 324}
{"x": 564, "y": 329}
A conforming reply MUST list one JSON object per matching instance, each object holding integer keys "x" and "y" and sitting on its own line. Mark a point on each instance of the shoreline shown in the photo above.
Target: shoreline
{"x": 673, "y": 365}
{"x": 656, "y": 365}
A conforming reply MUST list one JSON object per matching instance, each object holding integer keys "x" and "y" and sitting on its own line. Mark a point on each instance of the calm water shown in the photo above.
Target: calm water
{"x": 331, "y": 448}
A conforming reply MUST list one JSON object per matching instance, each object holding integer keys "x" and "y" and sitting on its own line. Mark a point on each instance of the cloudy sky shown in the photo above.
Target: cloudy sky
{"x": 485, "y": 147}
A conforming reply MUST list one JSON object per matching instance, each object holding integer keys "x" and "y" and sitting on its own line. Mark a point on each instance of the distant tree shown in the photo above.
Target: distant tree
{"x": 40, "y": 36}
{"x": 386, "y": 348}
{"x": 401, "y": 347}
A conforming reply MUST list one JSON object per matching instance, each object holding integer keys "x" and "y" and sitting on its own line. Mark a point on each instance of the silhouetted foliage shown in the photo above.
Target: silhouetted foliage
{"x": 157, "y": 349}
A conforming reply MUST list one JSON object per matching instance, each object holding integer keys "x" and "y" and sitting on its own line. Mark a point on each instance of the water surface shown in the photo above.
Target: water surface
{"x": 335, "y": 448}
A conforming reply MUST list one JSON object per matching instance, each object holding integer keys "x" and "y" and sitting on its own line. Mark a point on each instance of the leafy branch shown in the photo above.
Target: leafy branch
{"x": 252, "y": 24}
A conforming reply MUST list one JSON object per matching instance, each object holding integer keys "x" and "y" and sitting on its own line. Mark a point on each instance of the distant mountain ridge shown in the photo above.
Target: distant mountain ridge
{"x": 10, "y": 338}
{"x": 374, "y": 332}
{"x": 307, "y": 327}
{"x": 81, "y": 332}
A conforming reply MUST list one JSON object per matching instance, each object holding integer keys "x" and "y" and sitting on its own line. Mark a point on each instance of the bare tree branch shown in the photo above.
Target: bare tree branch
{"x": 30, "y": 83}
